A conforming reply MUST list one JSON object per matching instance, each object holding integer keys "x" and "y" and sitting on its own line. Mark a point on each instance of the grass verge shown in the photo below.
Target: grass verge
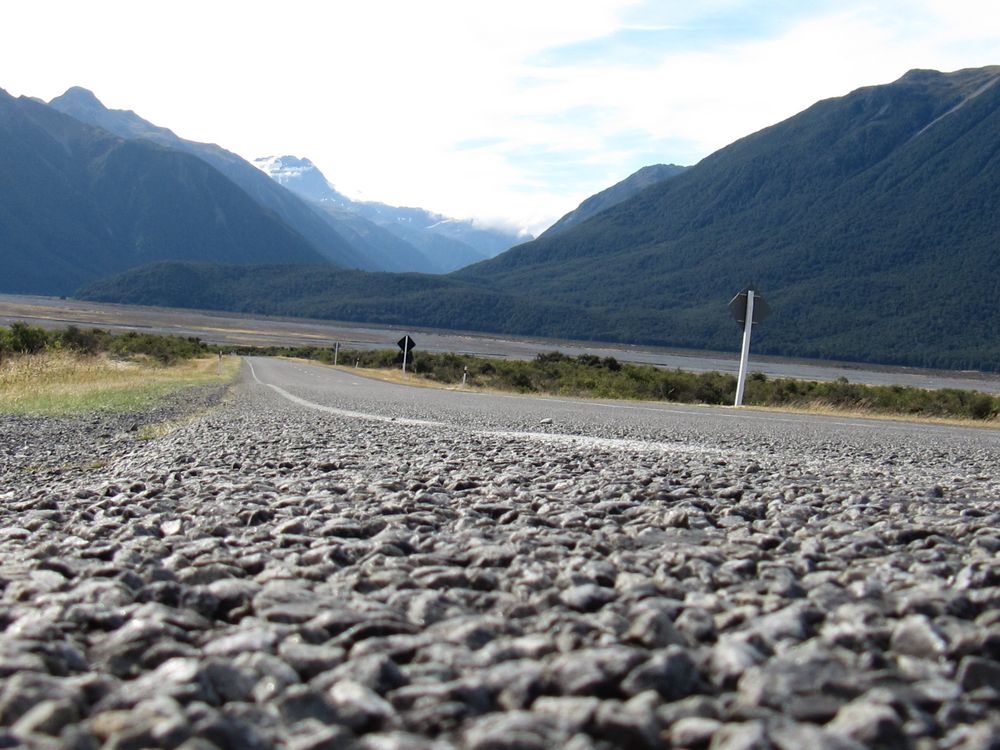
{"x": 60, "y": 383}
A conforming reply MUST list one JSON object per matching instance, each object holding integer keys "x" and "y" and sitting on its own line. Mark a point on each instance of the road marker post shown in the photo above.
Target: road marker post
{"x": 741, "y": 380}
{"x": 747, "y": 308}
{"x": 336, "y": 352}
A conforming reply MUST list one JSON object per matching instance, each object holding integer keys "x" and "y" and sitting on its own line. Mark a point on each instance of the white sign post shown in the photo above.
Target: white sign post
{"x": 745, "y": 352}
{"x": 747, "y": 311}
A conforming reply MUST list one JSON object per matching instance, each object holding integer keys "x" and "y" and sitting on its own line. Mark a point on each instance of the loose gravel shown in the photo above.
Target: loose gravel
{"x": 267, "y": 576}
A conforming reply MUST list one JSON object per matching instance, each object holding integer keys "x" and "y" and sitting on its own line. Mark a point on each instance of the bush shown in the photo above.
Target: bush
{"x": 24, "y": 339}
{"x": 85, "y": 342}
{"x": 165, "y": 349}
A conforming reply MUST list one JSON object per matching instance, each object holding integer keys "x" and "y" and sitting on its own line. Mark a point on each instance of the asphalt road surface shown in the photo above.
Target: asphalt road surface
{"x": 341, "y": 392}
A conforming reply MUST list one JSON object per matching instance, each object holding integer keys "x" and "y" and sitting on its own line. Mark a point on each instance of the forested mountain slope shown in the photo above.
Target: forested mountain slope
{"x": 78, "y": 203}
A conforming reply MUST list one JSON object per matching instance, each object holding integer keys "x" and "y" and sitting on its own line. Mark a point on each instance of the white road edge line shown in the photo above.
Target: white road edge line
{"x": 720, "y": 411}
{"x": 549, "y": 437}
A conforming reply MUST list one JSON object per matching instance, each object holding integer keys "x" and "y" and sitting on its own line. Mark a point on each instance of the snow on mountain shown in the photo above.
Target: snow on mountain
{"x": 450, "y": 243}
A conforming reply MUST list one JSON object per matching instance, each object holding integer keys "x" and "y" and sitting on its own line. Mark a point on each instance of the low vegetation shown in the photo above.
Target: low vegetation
{"x": 596, "y": 377}
{"x": 73, "y": 371}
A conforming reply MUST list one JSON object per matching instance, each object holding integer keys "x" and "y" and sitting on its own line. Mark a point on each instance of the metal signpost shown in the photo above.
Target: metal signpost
{"x": 406, "y": 344}
{"x": 747, "y": 308}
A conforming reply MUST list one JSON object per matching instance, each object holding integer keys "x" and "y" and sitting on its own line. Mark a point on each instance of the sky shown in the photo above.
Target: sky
{"x": 509, "y": 112}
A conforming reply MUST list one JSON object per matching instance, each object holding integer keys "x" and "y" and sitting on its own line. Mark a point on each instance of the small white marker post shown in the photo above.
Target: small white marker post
{"x": 465, "y": 376}
{"x": 336, "y": 352}
{"x": 745, "y": 353}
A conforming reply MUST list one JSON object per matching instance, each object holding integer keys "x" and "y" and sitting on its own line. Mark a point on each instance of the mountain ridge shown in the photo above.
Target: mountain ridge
{"x": 612, "y": 196}
{"x": 349, "y": 244}
{"x": 77, "y": 203}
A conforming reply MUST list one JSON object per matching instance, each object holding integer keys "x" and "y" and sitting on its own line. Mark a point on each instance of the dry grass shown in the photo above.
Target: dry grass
{"x": 60, "y": 383}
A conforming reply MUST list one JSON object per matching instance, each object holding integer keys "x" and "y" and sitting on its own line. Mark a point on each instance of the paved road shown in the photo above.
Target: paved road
{"x": 234, "y": 329}
{"x": 343, "y": 392}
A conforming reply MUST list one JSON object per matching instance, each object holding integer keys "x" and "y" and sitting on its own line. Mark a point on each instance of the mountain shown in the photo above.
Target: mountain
{"x": 338, "y": 244}
{"x": 449, "y": 244}
{"x": 612, "y": 196}
{"x": 78, "y": 203}
{"x": 869, "y": 222}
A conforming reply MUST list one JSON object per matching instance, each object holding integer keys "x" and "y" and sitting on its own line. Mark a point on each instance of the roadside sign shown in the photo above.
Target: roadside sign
{"x": 738, "y": 307}
{"x": 406, "y": 344}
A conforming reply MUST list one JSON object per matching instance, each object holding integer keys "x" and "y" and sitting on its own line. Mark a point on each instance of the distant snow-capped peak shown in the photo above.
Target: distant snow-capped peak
{"x": 301, "y": 176}
{"x": 281, "y": 168}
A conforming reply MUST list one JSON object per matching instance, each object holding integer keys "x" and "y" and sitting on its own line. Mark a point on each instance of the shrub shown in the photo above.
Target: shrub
{"x": 86, "y": 342}
{"x": 25, "y": 339}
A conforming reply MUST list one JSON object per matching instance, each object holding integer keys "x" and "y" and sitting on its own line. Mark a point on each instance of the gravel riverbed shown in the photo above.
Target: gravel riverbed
{"x": 266, "y": 576}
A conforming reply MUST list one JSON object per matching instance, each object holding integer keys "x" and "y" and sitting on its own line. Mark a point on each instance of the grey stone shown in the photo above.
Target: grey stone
{"x": 693, "y": 731}
{"x": 671, "y": 672}
{"x": 48, "y": 717}
{"x": 301, "y": 702}
{"x": 513, "y": 730}
{"x": 794, "y": 736}
{"x": 361, "y": 708}
{"x": 730, "y": 658}
{"x": 316, "y": 736}
{"x": 871, "y": 724}
{"x": 310, "y": 660}
{"x": 914, "y": 635}
{"x": 573, "y": 713}
{"x": 975, "y": 672}
{"x": 749, "y": 735}
{"x": 243, "y": 641}
{"x": 377, "y": 672}
{"x": 598, "y": 671}
{"x": 810, "y": 685}
{"x": 587, "y": 597}
{"x": 653, "y": 627}
{"x": 627, "y": 726}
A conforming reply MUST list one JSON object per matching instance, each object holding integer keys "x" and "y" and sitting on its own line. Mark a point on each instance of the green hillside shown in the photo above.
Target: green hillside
{"x": 77, "y": 204}
{"x": 618, "y": 193}
{"x": 322, "y": 292}
{"x": 871, "y": 222}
